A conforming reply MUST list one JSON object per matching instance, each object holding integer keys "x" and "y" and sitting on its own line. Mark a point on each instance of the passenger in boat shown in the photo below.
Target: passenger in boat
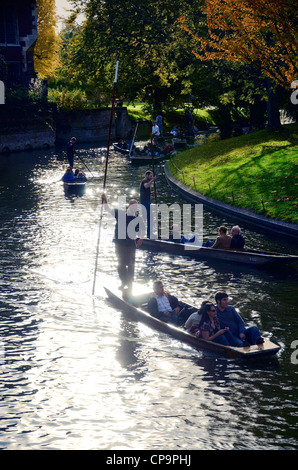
{"x": 237, "y": 241}
{"x": 145, "y": 198}
{"x": 167, "y": 307}
{"x": 176, "y": 237}
{"x": 68, "y": 176}
{"x": 129, "y": 234}
{"x": 71, "y": 150}
{"x": 192, "y": 323}
{"x": 228, "y": 316}
{"x": 210, "y": 328}
{"x": 167, "y": 149}
{"x": 79, "y": 175}
{"x": 175, "y": 131}
{"x": 223, "y": 240}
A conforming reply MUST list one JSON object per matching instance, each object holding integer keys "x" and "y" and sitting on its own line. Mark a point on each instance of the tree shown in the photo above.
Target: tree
{"x": 254, "y": 31}
{"x": 46, "y": 53}
{"x": 156, "y": 62}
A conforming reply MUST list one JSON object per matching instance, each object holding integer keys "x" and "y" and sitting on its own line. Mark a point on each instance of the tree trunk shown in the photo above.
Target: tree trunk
{"x": 273, "y": 115}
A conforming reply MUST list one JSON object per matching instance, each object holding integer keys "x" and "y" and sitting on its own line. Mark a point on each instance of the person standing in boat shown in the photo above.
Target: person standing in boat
{"x": 228, "y": 316}
{"x": 159, "y": 123}
{"x": 237, "y": 241}
{"x": 145, "y": 198}
{"x": 155, "y": 132}
{"x": 129, "y": 226}
{"x": 71, "y": 150}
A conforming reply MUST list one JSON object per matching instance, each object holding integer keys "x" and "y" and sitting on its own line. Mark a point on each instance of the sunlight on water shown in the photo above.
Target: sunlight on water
{"x": 76, "y": 373}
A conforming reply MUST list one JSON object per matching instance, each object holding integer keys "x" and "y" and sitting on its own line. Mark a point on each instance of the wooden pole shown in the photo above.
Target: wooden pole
{"x": 106, "y": 171}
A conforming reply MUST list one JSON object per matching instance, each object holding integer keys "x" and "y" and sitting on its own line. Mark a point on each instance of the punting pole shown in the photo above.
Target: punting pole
{"x": 153, "y": 168}
{"x": 133, "y": 140}
{"x": 106, "y": 170}
{"x": 85, "y": 165}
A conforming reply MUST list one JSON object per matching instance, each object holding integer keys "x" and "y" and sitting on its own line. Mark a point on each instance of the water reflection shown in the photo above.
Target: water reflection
{"x": 77, "y": 373}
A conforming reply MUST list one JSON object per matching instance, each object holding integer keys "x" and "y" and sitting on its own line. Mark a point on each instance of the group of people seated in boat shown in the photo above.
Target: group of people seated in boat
{"x": 227, "y": 242}
{"x": 223, "y": 241}
{"x": 146, "y": 150}
{"x": 71, "y": 176}
{"x": 218, "y": 322}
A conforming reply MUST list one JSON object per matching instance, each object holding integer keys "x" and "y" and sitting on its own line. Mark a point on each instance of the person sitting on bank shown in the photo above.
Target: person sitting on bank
{"x": 68, "y": 176}
{"x": 223, "y": 240}
{"x": 237, "y": 241}
{"x": 167, "y": 307}
{"x": 228, "y": 316}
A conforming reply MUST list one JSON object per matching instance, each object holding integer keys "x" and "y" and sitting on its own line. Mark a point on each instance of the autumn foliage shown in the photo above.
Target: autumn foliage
{"x": 46, "y": 53}
{"x": 253, "y": 31}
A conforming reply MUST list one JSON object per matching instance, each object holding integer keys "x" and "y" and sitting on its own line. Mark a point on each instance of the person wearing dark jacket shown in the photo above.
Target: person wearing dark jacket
{"x": 71, "y": 150}
{"x": 167, "y": 307}
{"x": 237, "y": 239}
{"x": 68, "y": 176}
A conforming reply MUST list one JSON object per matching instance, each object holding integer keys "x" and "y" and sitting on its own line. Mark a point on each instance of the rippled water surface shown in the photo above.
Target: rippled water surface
{"x": 77, "y": 374}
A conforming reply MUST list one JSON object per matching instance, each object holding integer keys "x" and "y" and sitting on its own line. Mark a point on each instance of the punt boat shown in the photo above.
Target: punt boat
{"x": 135, "y": 307}
{"x": 120, "y": 149}
{"x": 75, "y": 186}
{"x": 244, "y": 256}
{"x": 142, "y": 159}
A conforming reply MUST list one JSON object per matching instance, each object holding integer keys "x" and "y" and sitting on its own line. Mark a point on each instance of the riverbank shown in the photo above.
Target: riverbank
{"x": 255, "y": 172}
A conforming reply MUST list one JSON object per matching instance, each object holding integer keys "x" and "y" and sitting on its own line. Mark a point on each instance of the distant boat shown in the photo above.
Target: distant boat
{"x": 120, "y": 149}
{"x": 75, "y": 186}
{"x": 246, "y": 256}
{"x": 136, "y": 305}
{"x": 147, "y": 158}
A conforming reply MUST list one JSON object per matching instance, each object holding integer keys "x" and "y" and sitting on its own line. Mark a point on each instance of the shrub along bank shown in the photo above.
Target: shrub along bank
{"x": 257, "y": 171}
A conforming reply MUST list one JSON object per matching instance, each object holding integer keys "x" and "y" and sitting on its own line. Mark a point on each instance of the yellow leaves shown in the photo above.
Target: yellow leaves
{"x": 252, "y": 30}
{"x": 46, "y": 53}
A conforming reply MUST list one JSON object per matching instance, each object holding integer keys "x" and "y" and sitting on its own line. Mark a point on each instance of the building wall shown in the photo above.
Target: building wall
{"x": 18, "y": 34}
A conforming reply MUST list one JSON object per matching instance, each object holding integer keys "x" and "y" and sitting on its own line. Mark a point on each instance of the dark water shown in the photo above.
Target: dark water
{"x": 77, "y": 374}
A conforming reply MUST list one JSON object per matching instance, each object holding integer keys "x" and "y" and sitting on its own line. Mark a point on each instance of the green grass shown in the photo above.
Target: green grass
{"x": 257, "y": 171}
{"x": 138, "y": 112}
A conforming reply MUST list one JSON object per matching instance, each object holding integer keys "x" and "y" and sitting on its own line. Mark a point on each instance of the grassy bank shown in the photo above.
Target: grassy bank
{"x": 257, "y": 171}
{"x": 137, "y": 112}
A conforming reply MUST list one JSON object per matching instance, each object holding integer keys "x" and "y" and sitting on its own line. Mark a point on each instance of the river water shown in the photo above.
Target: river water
{"x": 77, "y": 374}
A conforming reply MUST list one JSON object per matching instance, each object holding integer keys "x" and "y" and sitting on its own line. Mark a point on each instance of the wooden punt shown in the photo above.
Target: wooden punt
{"x": 76, "y": 187}
{"x": 120, "y": 149}
{"x": 135, "y": 307}
{"x": 245, "y": 256}
{"x": 142, "y": 159}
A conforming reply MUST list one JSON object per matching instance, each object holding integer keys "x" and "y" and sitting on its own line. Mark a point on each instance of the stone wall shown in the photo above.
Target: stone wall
{"x": 87, "y": 126}
{"x": 91, "y": 125}
{"x": 28, "y": 139}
